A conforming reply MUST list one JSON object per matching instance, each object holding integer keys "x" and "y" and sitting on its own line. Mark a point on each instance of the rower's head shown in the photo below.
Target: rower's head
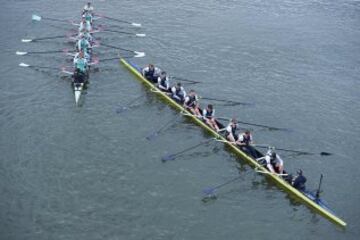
{"x": 247, "y": 132}
{"x": 192, "y": 92}
{"x": 89, "y": 4}
{"x": 273, "y": 155}
{"x": 233, "y": 121}
{"x": 81, "y": 54}
{"x": 178, "y": 85}
{"x": 163, "y": 73}
{"x": 151, "y": 66}
{"x": 299, "y": 172}
{"x": 210, "y": 107}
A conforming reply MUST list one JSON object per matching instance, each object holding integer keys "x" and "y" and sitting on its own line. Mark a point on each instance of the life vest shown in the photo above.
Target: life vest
{"x": 246, "y": 139}
{"x": 192, "y": 101}
{"x": 209, "y": 113}
{"x": 179, "y": 92}
{"x": 163, "y": 82}
{"x": 150, "y": 73}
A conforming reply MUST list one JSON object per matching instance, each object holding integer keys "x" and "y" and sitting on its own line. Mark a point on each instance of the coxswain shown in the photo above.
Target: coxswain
{"x": 209, "y": 117}
{"x": 84, "y": 25}
{"x": 191, "y": 103}
{"x": 178, "y": 93}
{"x": 163, "y": 82}
{"x": 244, "y": 141}
{"x": 151, "y": 73}
{"x": 79, "y": 77}
{"x": 81, "y": 63}
{"x": 83, "y": 45}
{"x": 88, "y": 8}
{"x": 230, "y": 133}
{"x": 273, "y": 162}
{"x": 299, "y": 181}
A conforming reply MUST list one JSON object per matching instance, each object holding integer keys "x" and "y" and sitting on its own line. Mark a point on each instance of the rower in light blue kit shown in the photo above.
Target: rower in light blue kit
{"x": 81, "y": 63}
{"x": 83, "y": 44}
{"x": 85, "y": 25}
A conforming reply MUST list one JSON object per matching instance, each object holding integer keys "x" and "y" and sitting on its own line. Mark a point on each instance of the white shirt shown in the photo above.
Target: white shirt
{"x": 212, "y": 114}
{"x": 278, "y": 160}
{"x": 88, "y": 8}
{"x": 241, "y": 137}
{"x": 187, "y": 99}
{"x": 166, "y": 83}
{"x": 173, "y": 90}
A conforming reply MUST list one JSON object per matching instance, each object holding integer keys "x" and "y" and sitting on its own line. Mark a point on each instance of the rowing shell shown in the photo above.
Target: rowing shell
{"x": 306, "y": 198}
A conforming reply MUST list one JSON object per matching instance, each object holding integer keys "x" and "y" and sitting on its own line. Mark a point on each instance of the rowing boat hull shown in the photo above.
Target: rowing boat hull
{"x": 312, "y": 203}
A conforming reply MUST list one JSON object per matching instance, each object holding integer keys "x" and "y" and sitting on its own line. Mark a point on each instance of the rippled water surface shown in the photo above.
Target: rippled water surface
{"x": 88, "y": 172}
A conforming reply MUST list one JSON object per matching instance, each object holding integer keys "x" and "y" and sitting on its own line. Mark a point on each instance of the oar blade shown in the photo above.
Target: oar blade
{"x": 35, "y": 17}
{"x": 169, "y": 157}
{"x": 140, "y": 34}
{"x": 139, "y": 54}
{"x": 325, "y": 154}
{"x": 121, "y": 110}
{"x": 151, "y": 136}
{"x": 26, "y": 40}
{"x": 24, "y": 65}
{"x": 209, "y": 191}
{"x": 21, "y": 53}
{"x": 136, "y": 24}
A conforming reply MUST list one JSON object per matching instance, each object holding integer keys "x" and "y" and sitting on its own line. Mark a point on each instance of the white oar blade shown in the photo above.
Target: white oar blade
{"x": 36, "y": 17}
{"x": 140, "y": 34}
{"x": 21, "y": 53}
{"x": 26, "y": 40}
{"x": 139, "y": 54}
{"x": 77, "y": 96}
{"x": 136, "y": 24}
{"x": 24, "y": 65}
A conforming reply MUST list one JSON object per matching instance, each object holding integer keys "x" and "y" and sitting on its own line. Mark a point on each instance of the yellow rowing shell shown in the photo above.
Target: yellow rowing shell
{"x": 278, "y": 180}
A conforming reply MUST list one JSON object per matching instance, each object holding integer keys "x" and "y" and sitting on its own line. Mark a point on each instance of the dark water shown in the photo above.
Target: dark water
{"x": 87, "y": 172}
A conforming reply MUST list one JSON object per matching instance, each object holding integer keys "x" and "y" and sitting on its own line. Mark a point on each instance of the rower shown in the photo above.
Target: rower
{"x": 85, "y": 54}
{"x": 163, "y": 82}
{"x": 178, "y": 93}
{"x": 273, "y": 162}
{"x": 83, "y": 44}
{"x": 244, "y": 141}
{"x": 209, "y": 117}
{"x": 88, "y": 17}
{"x": 81, "y": 63}
{"x": 84, "y": 25}
{"x": 151, "y": 73}
{"x": 88, "y": 8}
{"x": 230, "y": 133}
{"x": 191, "y": 103}
{"x": 299, "y": 181}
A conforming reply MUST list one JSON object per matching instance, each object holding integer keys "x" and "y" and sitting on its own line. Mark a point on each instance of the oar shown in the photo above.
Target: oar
{"x": 43, "y": 38}
{"x": 154, "y": 134}
{"x": 294, "y": 151}
{"x": 137, "y": 54}
{"x": 129, "y": 33}
{"x": 255, "y": 124}
{"x": 185, "y": 80}
{"x": 119, "y": 20}
{"x": 317, "y": 195}
{"x": 211, "y": 190}
{"x": 39, "y": 18}
{"x": 34, "y": 66}
{"x": 43, "y": 52}
{"x": 170, "y": 157}
{"x": 128, "y": 105}
{"x": 228, "y": 101}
